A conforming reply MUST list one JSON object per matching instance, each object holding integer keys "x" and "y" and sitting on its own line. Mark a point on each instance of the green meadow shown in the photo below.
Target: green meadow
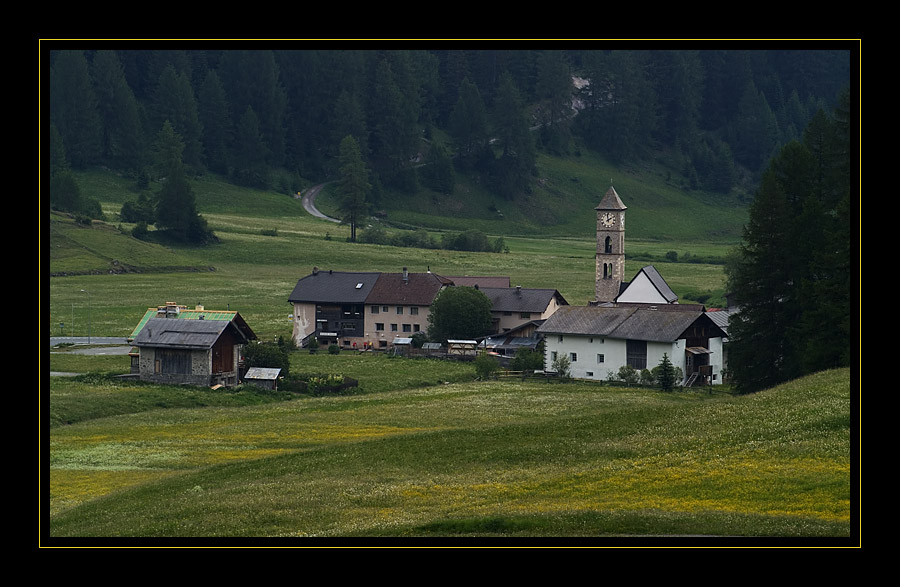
{"x": 415, "y": 457}
{"x": 422, "y": 449}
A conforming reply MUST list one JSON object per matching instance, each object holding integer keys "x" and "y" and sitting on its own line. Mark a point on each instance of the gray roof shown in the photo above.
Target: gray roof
{"x": 611, "y": 201}
{"x": 658, "y": 282}
{"x": 720, "y": 318}
{"x": 334, "y": 287}
{"x": 512, "y": 299}
{"x": 626, "y": 323}
{"x": 184, "y": 334}
{"x": 480, "y": 281}
{"x": 264, "y": 373}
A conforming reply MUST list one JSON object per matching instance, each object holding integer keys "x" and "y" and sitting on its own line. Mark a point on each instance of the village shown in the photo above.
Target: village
{"x": 632, "y": 323}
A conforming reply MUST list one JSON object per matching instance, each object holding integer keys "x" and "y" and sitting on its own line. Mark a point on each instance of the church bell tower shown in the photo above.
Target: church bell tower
{"x": 610, "y": 246}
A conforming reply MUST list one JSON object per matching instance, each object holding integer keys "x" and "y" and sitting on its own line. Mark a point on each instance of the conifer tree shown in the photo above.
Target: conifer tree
{"x": 353, "y": 185}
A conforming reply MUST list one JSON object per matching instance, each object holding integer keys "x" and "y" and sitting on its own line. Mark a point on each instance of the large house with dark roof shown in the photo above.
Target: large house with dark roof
{"x": 371, "y": 310}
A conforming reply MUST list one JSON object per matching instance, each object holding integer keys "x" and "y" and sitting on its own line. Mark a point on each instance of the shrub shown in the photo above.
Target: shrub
{"x": 562, "y": 366}
{"x": 333, "y": 349}
{"x": 628, "y": 374}
{"x": 140, "y": 231}
{"x": 485, "y": 366}
{"x": 527, "y": 360}
{"x": 267, "y": 354}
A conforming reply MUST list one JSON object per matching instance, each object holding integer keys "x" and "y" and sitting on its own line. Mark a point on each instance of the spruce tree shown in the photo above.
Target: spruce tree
{"x": 353, "y": 186}
{"x": 666, "y": 374}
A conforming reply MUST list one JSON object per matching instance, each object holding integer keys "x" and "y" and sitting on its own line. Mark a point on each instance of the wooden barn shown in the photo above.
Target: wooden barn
{"x": 195, "y": 352}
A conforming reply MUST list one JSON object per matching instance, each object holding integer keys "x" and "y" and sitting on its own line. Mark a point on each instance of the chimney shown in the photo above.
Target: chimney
{"x": 315, "y": 270}
{"x": 519, "y": 290}
{"x": 405, "y": 274}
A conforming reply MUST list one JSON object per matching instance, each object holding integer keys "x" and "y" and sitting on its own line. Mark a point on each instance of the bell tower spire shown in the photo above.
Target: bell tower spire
{"x": 610, "y": 246}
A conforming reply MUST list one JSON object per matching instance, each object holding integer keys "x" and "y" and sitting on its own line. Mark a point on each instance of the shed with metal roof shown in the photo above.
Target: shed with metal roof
{"x": 196, "y": 352}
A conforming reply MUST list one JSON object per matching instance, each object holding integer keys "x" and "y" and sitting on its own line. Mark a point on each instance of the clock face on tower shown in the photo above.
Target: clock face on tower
{"x": 608, "y": 219}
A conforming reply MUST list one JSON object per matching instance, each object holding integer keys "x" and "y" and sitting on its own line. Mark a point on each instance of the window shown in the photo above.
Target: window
{"x": 407, "y": 328}
{"x": 399, "y": 310}
{"x": 526, "y": 315}
{"x": 507, "y": 313}
{"x": 560, "y": 339}
{"x": 573, "y": 357}
{"x": 589, "y": 373}
{"x": 374, "y": 309}
{"x": 382, "y": 343}
{"x": 384, "y": 309}
{"x": 414, "y": 311}
{"x": 393, "y": 328}
{"x": 552, "y": 355}
{"x": 600, "y": 359}
{"x": 415, "y": 327}
{"x": 379, "y": 326}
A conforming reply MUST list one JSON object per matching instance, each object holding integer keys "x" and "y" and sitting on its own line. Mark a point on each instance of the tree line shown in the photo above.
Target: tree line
{"x": 268, "y": 117}
{"x": 792, "y": 276}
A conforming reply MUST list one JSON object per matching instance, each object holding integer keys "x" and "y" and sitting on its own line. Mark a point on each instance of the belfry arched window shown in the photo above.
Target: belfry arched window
{"x": 608, "y": 245}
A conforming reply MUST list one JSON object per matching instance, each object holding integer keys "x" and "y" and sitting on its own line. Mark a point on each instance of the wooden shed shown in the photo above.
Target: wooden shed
{"x": 195, "y": 352}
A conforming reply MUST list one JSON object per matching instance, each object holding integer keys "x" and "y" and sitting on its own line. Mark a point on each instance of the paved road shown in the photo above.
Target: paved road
{"x": 309, "y": 202}
{"x": 98, "y": 340}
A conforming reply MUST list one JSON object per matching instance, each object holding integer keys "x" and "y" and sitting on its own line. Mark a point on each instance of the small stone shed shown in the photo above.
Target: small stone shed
{"x": 195, "y": 352}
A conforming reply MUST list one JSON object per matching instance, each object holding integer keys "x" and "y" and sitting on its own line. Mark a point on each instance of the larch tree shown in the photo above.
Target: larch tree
{"x": 353, "y": 186}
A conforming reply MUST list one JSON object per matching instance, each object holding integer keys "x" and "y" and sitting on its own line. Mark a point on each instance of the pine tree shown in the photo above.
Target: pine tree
{"x": 513, "y": 169}
{"x": 666, "y": 374}
{"x": 123, "y": 133}
{"x": 793, "y": 272}
{"x": 73, "y": 108}
{"x": 176, "y": 206}
{"x": 215, "y": 118}
{"x": 353, "y": 185}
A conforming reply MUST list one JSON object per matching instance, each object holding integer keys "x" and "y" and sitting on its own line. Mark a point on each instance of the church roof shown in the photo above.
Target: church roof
{"x": 626, "y": 323}
{"x": 611, "y": 201}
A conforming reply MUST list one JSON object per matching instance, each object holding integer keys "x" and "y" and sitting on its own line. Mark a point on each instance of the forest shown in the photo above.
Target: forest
{"x": 267, "y": 117}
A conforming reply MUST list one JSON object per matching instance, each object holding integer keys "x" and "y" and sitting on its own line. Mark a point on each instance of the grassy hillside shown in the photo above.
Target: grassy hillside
{"x": 562, "y": 200}
{"x": 474, "y": 459}
{"x": 267, "y": 241}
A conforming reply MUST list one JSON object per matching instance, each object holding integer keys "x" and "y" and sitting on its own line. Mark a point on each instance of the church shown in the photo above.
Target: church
{"x": 632, "y": 323}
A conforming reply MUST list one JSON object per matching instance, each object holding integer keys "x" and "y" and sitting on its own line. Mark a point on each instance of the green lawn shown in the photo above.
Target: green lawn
{"x": 477, "y": 459}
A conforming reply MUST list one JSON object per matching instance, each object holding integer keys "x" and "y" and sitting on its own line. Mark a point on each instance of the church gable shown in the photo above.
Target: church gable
{"x": 648, "y": 287}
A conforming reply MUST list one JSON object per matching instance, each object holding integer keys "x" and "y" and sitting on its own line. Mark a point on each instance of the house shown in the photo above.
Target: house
{"x": 196, "y": 352}
{"x": 175, "y": 311}
{"x": 371, "y": 310}
{"x": 598, "y": 340}
{"x": 633, "y": 323}
{"x": 508, "y": 343}
{"x": 513, "y": 307}
{"x": 360, "y": 310}
{"x": 399, "y": 304}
